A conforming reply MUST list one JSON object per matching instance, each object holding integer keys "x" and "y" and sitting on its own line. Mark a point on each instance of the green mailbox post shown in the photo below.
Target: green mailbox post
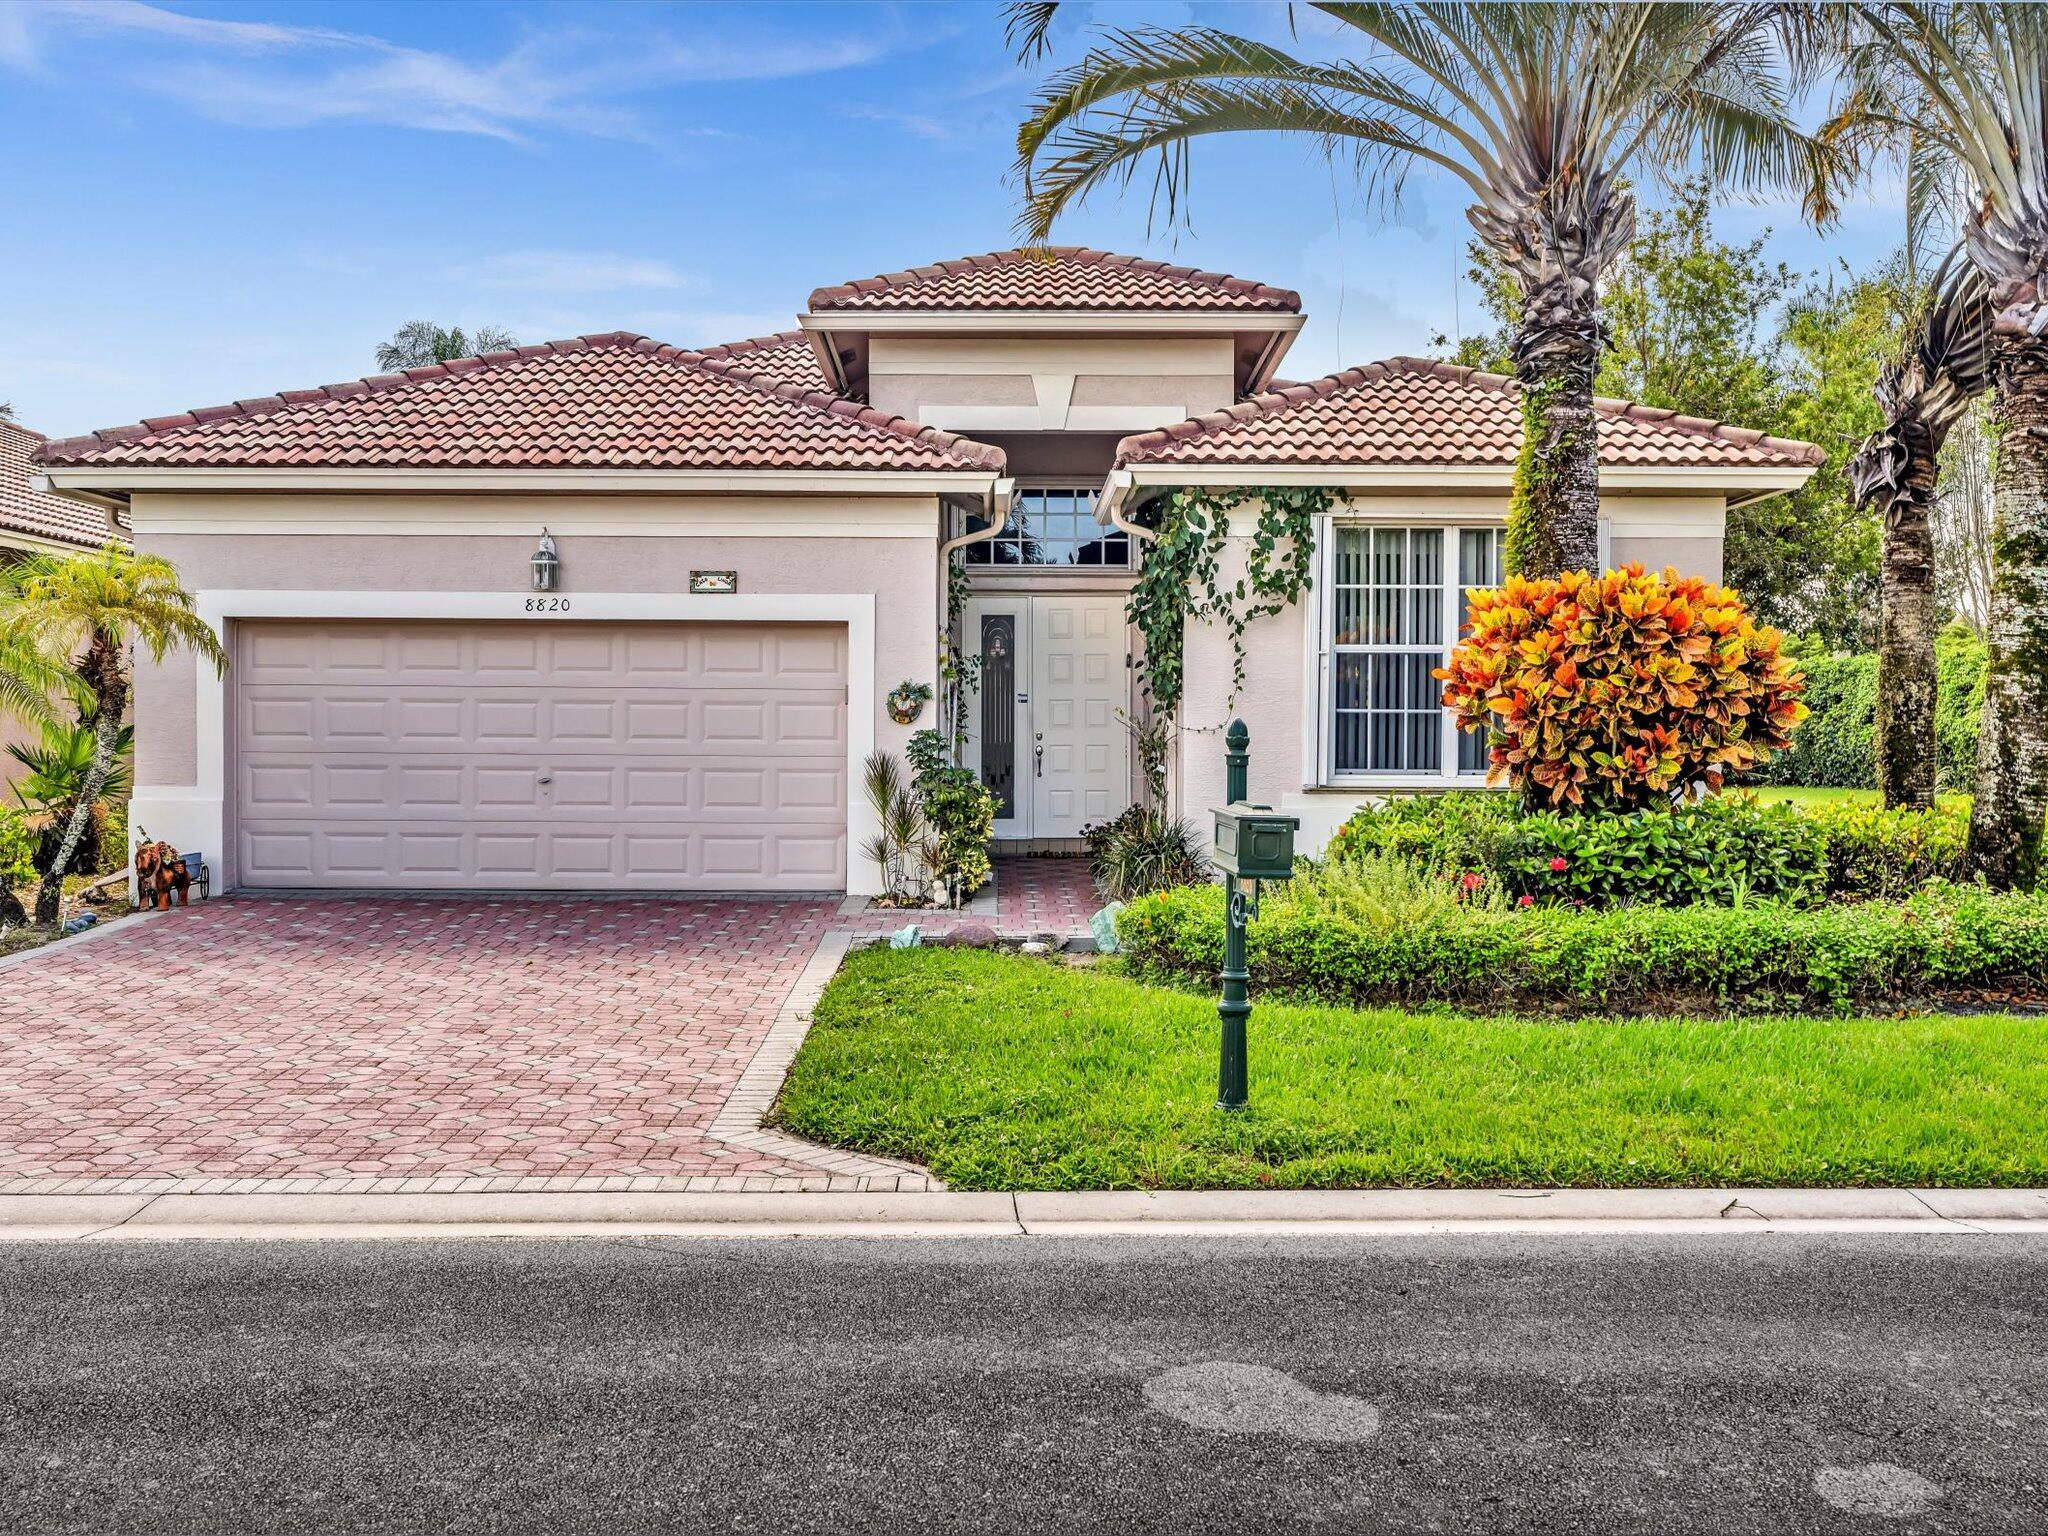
{"x": 1253, "y": 843}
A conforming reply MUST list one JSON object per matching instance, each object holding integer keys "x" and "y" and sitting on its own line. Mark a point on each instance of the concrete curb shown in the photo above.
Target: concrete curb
{"x": 1263, "y": 1213}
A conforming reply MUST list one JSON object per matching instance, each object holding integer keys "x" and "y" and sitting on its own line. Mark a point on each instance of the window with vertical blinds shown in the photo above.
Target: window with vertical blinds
{"x": 1394, "y": 606}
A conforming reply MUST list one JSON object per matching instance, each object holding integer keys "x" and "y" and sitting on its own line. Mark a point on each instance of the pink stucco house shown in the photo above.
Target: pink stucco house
{"x": 752, "y": 543}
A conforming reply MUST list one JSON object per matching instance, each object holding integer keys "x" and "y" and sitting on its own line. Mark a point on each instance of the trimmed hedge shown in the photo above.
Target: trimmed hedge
{"x": 1766, "y": 957}
{"x": 1836, "y": 746}
{"x": 1725, "y": 848}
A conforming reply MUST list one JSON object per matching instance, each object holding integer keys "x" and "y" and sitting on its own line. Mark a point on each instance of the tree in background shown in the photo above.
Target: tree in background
{"x": 418, "y": 343}
{"x": 1541, "y": 110}
{"x": 1943, "y": 364}
{"x": 1963, "y": 563}
{"x": 1966, "y": 84}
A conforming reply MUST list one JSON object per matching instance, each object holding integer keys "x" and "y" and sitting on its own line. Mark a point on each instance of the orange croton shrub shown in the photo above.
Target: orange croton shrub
{"x": 1614, "y": 692}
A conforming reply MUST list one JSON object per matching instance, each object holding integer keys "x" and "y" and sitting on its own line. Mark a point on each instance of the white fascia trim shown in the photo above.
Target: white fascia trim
{"x": 764, "y": 482}
{"x": 201, "y": 807}
{"x": 1067, "y": 322}
{"x": 1758, "y": 480}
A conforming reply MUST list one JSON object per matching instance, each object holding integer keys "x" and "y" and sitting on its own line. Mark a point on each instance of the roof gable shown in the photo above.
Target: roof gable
{"x": 23, "y": 509}
{"x": 1061, "y": 277}
{"x": 1411, "y": 410}
{"x": 613, "y": 401}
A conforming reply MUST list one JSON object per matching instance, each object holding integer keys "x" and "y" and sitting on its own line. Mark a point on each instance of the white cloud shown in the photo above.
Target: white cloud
{"x": 270, "y": 75}
{"x": 572, "y": 272}
{"x": 915, "y": 123}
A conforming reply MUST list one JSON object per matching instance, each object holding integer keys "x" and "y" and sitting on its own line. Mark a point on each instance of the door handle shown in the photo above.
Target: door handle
{"x": 1038, "y": 756}
{"x": 547, "y": 778}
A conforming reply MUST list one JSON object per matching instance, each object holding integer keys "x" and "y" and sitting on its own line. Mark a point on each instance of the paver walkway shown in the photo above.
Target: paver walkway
{"x": 388, "y": 1037}
{"x": 1044, "y": 895}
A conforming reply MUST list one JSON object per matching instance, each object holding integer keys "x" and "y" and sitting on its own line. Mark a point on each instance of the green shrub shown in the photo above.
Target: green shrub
{"x": 1447, "y": 834}
{"x": 1836, "y": 748}
{"x": 19, "y": 843}
{"x": 1769, "y": 957}
{"x": 959, "y": 811}
{"x": 1142, "y": 851}
{"x": 1721, "y": 849}
{"x": 1714, "y": 850}
{"x": 1875, "y": 852}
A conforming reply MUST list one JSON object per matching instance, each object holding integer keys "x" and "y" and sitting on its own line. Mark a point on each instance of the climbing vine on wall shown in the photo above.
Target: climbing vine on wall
{"x": 959, "y": 673}
{"x": 1182, "y": 580}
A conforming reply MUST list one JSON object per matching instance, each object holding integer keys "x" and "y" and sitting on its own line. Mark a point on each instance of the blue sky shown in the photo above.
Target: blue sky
{"x": 217, "y": 201}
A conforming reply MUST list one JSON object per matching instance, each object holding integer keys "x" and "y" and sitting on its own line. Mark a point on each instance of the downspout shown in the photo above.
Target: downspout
{"x": 1116, "y": 490}
{"x": 1000, "y": 494}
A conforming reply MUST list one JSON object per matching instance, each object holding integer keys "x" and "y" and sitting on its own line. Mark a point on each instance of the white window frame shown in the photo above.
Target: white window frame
{"x": 1319, "y": 735}
{"x": 1076, "y": 486}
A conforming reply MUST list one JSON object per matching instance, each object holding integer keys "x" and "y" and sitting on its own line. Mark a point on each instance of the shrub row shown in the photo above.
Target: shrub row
{"x": 1721, "y": 849}
{"x": 1765, "y": 957}
{"x": 1836, "y": 746}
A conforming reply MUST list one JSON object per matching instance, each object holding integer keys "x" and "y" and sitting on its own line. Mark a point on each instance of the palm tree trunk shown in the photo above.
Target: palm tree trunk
{"x": 2011, "y": 806}
{"x": 1554, "y": 516}
{"x": 106, "y": 732}
{"x": 1906, "y": 679}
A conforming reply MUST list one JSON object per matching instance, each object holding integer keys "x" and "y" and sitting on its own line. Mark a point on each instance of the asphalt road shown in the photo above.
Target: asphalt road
{"x": 1720, "y": 1384}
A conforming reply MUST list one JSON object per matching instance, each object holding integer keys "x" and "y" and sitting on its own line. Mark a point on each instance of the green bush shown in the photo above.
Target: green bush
{"x": 1873, "y": 852}
{"x": 959, "y": 811}
{"x": 19, "y": 843}
{"x": 1763, "y": 957}
{"x": 1836, "y": 748}
{"x": 1714, "y": 850}
{"x": 1446, "y": 834}
{"x": 1141, "y": 851}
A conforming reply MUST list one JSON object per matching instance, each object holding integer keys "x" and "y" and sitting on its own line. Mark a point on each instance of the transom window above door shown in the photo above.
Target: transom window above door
{"x": 1050, "y": 526}
{"x": 1393, "y": 603}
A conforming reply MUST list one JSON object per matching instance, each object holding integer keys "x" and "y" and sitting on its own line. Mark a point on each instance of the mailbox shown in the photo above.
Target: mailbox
{"x": 1255, "y": 842}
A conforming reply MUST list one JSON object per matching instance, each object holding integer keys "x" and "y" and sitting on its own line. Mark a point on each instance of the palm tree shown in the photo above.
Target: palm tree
{"x": 1543, "y": 111}
{"x": 97, "y": 607}
{"x": 418, "y": 343}
{"x": 1971, "y": 82}
{"x": 1943, "y": 364}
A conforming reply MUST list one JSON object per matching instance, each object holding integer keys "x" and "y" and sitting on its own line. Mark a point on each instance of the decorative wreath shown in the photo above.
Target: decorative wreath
{"x": 907, "y": 702}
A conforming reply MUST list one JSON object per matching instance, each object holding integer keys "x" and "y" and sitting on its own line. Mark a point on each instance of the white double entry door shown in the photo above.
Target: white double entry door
{"x": 1044, "y": 730}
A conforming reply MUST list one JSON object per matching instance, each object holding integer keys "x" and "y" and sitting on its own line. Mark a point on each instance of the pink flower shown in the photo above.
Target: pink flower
{"x": 1473, "y": 882}
{"x": 1559, "y": 865}
{"x": 1527, "y": 901}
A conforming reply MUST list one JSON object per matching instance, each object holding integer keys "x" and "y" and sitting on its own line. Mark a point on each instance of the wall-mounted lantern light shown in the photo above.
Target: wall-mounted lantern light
{"x": 547, "y": 565}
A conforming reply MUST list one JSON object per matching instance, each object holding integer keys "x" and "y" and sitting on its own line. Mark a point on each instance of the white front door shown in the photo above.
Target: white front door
{"x": 1044, "y": 731}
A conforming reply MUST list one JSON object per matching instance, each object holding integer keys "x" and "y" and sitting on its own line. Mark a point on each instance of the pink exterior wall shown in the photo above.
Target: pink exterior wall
{"x": 1275, "y": 701}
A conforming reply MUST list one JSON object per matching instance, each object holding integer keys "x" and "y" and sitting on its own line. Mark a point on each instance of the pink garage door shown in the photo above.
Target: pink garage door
{"x": 547, "y": 755}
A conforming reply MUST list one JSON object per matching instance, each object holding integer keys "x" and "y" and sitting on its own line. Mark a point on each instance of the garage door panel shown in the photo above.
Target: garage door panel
{"x": 677, "y": 756}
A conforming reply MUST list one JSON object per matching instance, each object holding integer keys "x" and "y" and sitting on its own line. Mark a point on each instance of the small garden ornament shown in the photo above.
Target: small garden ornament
{"x": 158, "y": 872}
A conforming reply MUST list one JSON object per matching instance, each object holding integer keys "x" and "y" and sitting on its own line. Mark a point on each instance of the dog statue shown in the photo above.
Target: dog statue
{"x": 158, "y": 872}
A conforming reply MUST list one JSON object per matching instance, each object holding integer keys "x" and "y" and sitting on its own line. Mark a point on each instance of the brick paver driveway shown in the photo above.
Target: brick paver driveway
{"x": 380, "y": 1038}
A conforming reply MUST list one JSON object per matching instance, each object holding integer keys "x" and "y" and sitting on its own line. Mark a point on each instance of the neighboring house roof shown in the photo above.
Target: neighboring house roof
{"x": 784, "y": 358}
{"x": 1059, "y": 277}
{"x": 613, "y": 401}
{"x": 38, "y": 513}
{"x": 1410, "y": 410}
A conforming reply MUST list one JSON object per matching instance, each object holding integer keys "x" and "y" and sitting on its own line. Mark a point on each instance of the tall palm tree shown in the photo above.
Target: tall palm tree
{"x": 1542, "y": 111}
{"x": 1971, "y": 81}
{"x": 1944, "y": 363}
{"x": 97, "y": 607}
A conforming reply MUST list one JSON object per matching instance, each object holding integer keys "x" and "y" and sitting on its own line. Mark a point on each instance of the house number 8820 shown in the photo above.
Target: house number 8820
{"x": 547, "y": 605}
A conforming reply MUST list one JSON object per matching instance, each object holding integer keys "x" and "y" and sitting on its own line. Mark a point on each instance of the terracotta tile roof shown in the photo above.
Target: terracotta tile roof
{"x": 1410, "y": 410}
{"x": 1059, "y": 277}
{"x": 615, "y": 401}
{"x": 24, "y": 510}
{"x": 784, "y": 358}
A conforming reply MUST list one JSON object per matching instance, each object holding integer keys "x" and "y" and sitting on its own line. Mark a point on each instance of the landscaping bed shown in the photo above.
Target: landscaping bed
{"x": 1006, "y": 1072}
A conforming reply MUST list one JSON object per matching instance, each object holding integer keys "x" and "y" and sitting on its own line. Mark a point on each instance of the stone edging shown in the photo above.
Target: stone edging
{"x": 739, "y": 1119}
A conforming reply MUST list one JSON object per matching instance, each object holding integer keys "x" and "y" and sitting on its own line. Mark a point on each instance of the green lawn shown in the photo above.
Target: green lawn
{"x": 1800, "y": 795}
{"x": 1006, "y": 1072}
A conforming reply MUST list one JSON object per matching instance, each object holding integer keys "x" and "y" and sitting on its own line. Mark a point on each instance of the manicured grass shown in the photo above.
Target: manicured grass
{"x": 1802, "y": 795}
{"x": 1006, "y": 1072}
